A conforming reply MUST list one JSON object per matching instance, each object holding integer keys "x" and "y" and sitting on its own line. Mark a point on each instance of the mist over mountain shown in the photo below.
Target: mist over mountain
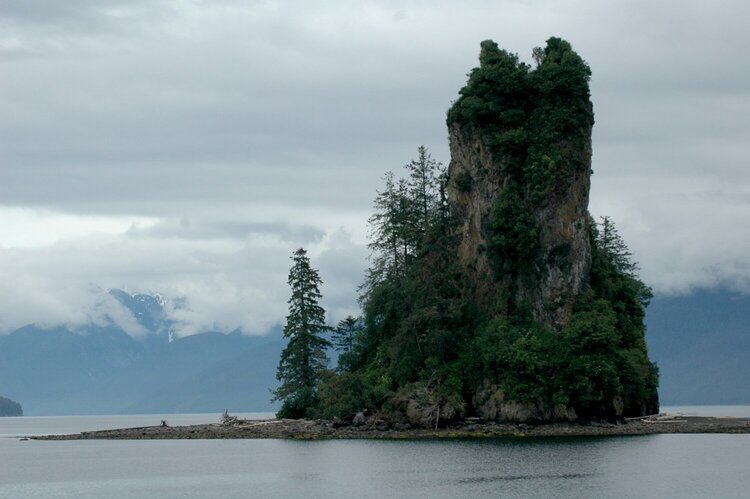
{"x": 103, "y": 370}
{"x": 147, "y": 310}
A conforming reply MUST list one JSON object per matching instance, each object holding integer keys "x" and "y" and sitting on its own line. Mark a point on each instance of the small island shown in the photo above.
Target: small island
{"x": 378, "y": 428}
{"x": 9, "y": 407}
{"x": 492, "y": 292}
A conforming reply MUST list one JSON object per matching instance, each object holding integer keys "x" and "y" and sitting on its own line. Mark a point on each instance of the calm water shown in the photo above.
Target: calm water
{"x": 646, "y": 466}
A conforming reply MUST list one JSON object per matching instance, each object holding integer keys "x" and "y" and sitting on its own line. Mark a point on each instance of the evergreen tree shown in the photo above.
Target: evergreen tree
{"x": 384, "y": 233}
{"x": 346, "y": 339}
{"x": 423, "y": 186}
{"x": 405, "y": 225}
{"x": 343, "y": 334}
{"x": 618, "y": 260}
{"x": 614, "y": 248}
{"x": 614, "y": 282}
{"x": 405, "y": 212}
{"x": 390, "y": 234}
{"x": 304, "y": 360}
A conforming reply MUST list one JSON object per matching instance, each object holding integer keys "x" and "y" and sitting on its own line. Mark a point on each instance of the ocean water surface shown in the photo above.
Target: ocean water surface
{"x": 640, "y": 466}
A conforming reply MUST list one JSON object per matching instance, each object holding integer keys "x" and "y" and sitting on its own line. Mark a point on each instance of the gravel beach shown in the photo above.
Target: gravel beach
{"x": 374, "y": 428}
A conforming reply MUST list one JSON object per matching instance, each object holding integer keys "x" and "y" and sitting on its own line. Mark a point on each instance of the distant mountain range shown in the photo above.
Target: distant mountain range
{"x": 701, "y": 343}
{"x": 103, "y": 370}
{"x": 10, "y": 407}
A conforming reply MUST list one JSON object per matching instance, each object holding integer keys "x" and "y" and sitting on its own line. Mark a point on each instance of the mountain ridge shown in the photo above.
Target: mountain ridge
{"x": 103, "y": 370}
{"x": 700, "y": 341}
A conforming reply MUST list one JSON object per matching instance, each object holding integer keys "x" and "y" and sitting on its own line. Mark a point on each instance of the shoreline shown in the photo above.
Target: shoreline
{"x": 375, "y": 429}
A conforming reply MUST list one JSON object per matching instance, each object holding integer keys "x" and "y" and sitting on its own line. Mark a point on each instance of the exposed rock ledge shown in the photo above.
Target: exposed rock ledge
{"x": 373, "y": 428}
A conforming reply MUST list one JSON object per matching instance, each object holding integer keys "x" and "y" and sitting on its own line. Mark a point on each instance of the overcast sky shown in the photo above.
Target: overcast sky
{"x": 188, "y": 147}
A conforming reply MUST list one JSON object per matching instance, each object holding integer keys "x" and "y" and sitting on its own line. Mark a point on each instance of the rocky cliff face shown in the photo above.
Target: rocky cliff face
{"x": 524, "y": 135}
{"x": 566, "y": 250}
{"x": 475, "y": 184}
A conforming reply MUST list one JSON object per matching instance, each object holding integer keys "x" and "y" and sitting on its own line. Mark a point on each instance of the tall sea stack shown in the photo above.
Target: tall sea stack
{"x": 520, "y": 142}
{"x": 496, "y": 295}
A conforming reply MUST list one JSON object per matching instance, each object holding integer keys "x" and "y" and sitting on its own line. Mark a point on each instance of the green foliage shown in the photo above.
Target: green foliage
{"x": 405, "y": 213}
{"x": 348, "y": 339}
{"x": 536, "y": 121}
{"x": 514, "y": 232}
{"x": 434, "y": 400}
{"x": 389, "y": 239}
{"x": 423, "y": 185}
{"x": 464, "y": 181}
{"x": 592, "y": 374}
{"x": 414, "y": 314}
{"x": 614, "y": 280}
{"x": 583, "y": 367}
{"x": 496, "y": 91}
{"x": 525, "y": 361}
{"x": 345, "y": 394}
{"x": 303, "y": 361}
{"x": 597, "y": 362}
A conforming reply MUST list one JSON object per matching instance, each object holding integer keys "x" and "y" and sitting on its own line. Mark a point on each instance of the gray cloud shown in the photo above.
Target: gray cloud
{"x": 248, "y": 129}
{"x": 77, "y": 19}
{"x": 207, "y": 229}
{"x": 216, "y": 284}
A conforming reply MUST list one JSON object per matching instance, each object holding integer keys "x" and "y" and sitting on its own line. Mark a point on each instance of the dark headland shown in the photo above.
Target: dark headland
{"x": 377, "y": 428}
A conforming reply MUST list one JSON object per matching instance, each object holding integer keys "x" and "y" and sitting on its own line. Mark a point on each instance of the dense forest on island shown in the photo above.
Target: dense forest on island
{"x": 491, "y": 290}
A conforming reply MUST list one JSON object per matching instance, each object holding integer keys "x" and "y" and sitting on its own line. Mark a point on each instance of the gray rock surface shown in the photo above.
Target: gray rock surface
{"x": 563, "y": 220}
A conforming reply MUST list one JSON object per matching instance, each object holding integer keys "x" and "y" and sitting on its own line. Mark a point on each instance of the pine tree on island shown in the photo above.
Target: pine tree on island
{"x": 346, "y": 339}
{"x": 303, "y": 360}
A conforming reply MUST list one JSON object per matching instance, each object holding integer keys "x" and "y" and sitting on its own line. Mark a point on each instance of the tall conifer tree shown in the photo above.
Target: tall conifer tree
{"x": 304, "y": 360}
{"x": 424, "y": 184}
{"x": 347, "y": 339}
